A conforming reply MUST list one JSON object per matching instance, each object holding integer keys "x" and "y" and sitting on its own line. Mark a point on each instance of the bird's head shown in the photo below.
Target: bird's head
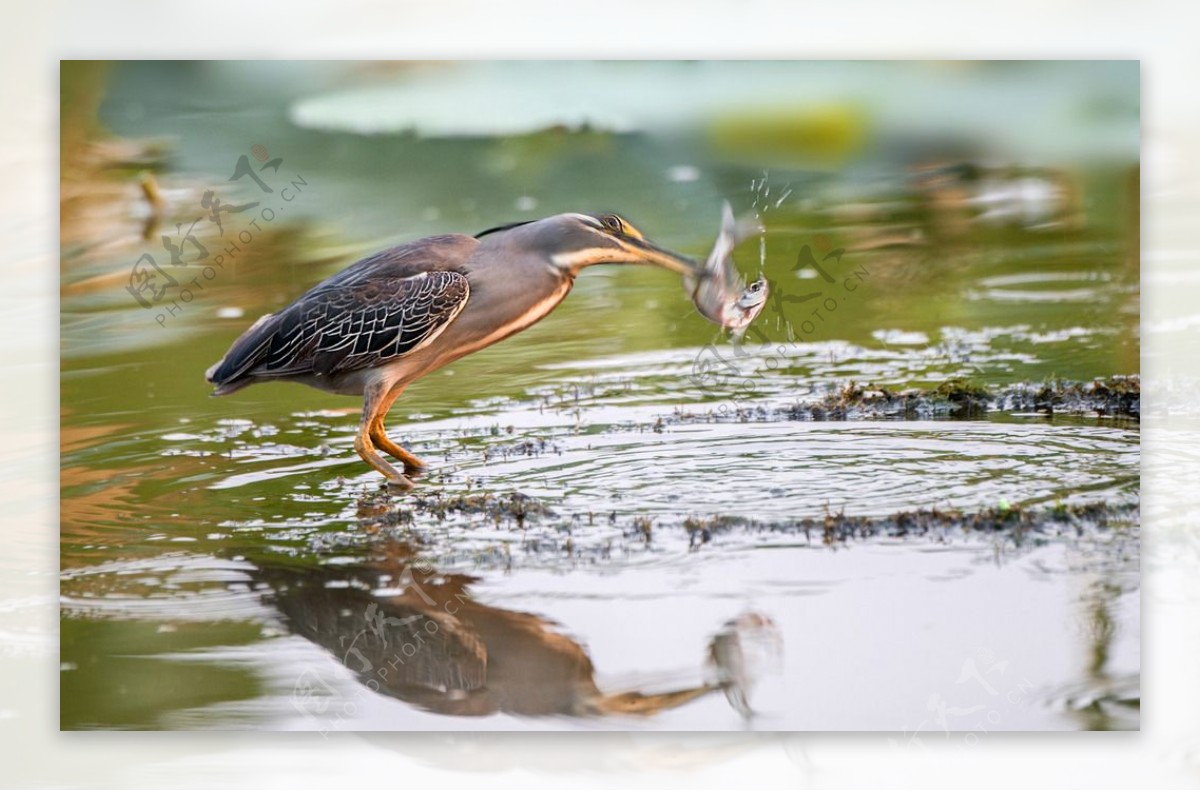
{"x": 572, "y": 241}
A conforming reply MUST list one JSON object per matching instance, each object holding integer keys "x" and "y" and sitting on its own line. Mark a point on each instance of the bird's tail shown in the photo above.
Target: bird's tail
{"x": 228, "y": 387}
{"x": 235, "y": 370}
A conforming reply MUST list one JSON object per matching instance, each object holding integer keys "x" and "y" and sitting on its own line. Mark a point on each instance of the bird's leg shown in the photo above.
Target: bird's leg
{"x": 412, "y": 465}
{"x": 373, "y": 399}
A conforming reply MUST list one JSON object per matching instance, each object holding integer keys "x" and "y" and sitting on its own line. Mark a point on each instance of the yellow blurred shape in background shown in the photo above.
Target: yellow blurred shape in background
{"x": 822, "y": 136}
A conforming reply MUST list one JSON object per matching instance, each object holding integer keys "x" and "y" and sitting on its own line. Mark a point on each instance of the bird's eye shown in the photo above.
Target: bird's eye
{"x": 612, "y": 222}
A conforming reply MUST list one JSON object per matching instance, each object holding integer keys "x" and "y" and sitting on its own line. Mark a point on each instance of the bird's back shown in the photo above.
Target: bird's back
{"x": 377, "y": 309}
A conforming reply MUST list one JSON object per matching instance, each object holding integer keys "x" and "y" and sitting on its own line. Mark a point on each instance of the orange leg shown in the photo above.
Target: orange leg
{"x": 375, "y": 404}
{"x": 378, "y": 435}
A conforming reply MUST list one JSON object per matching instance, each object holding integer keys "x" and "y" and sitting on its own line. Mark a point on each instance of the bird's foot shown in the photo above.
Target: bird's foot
{"x": 413, "y": 467}
{"x": 399, "y": 484}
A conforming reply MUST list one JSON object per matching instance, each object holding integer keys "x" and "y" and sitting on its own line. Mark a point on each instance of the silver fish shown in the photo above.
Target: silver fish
{"x": 717, "y": 289}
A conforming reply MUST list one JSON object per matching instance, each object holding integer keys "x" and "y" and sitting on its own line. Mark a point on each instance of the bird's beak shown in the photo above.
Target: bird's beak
{"x": 643, "y": 252}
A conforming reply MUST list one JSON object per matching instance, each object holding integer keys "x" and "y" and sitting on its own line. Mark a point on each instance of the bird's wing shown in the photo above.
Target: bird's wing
{"x": 339, "y": 330}
{"x": 383, "y": 307}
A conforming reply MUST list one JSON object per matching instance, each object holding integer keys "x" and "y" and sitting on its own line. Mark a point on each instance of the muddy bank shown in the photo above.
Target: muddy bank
{"x": 457, "y": 527}
{"x": 386, "y": 510}
{"x": 1117, "y": 397}
{"x": 1015, "y": 522}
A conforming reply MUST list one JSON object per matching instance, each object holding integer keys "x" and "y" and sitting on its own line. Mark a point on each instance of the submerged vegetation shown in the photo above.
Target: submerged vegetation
{"x": 1111, "y": 397}
{"x": 546, "y": 532}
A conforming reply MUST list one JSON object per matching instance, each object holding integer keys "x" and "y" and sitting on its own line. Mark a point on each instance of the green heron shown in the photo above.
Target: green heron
{"x": 382, "y": 323}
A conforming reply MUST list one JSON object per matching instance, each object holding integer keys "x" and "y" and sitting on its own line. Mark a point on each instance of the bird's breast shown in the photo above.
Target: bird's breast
{"x": 501, "y": 312}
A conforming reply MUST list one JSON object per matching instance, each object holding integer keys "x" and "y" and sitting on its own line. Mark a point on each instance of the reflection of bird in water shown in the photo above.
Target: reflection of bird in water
{"x": 431, "y": 644}
{"x": 386, "y": 321}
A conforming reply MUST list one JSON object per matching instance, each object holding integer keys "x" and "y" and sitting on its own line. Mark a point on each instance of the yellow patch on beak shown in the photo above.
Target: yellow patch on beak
{"x": 632, "y": 232}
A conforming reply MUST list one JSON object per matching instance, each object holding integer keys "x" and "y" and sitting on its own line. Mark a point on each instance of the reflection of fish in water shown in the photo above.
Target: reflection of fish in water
{"x": 745, "y": 648}
{"x": 718, "y": 290}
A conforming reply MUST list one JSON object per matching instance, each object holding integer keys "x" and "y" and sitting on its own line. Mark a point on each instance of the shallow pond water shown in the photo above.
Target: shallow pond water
{"x": 611, "y": 488}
